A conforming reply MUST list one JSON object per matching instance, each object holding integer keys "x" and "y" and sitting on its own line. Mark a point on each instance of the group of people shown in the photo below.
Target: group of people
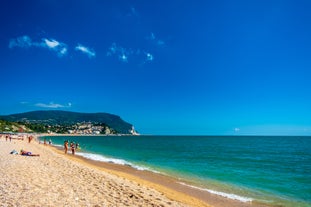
{"x": 9, "y": 137}
{"x": 12, "y": 136}
{"x": 73, "y": 146}
{"x": 44, "y": 141}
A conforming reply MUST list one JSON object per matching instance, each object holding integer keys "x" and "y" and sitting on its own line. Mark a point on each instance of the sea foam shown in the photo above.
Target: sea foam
{"x": 102, "y": 158}
{"x": 226, "y": 195}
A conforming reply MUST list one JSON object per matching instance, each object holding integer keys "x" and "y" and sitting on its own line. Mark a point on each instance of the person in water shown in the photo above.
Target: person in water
{"x": 25, "y": 153}
{"x": 72, "y": 145}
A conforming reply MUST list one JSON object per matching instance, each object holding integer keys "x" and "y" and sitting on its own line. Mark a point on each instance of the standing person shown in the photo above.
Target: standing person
{"x": 77, "y": 145}
{"x": 44, "y": 142}
{"x": 30, "y": 139}
{"x": 72, "y": 148}
{"x": 66, "y": 146}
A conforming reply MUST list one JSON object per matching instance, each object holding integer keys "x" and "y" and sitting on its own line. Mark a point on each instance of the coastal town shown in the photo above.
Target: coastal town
{"x": 88, "y": 128}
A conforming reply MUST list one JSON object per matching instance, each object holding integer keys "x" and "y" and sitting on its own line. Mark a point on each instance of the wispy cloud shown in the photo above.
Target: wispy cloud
{"x": 155, "y": 40}
{"x": 133, "y": 12}
{"x": 23, "y": 42}
{"x": 51, "y": 44}
{"x": 89, "y": 52}
{"x": 126, "y": 54}
{"x": 123, "y": 58}
{"x": 149, "y": 57}
{"x": 120, "y": 52}
{"x": 53, "y": 105}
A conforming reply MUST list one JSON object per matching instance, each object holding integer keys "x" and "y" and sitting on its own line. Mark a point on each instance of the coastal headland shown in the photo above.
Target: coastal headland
{"x": 56, "y": 179}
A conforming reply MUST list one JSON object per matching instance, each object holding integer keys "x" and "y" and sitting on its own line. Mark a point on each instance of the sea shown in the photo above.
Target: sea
{"x": 275, "y": 170}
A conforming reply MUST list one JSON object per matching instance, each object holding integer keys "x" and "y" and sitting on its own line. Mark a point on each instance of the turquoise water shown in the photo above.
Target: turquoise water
{"x": 275, "y": 170}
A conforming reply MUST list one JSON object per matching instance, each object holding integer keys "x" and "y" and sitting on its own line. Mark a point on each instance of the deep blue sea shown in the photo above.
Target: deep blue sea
{"x": 274, "y": 170}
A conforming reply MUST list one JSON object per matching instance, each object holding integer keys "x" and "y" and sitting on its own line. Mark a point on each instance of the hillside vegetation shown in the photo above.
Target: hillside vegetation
{"x": 64, "y": 121}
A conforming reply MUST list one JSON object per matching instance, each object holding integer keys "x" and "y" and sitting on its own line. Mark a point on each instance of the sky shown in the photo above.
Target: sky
{"x": 171, "y": 67}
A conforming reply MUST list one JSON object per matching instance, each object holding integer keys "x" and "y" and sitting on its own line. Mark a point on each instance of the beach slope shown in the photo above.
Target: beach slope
{"x": 55, "y": 179}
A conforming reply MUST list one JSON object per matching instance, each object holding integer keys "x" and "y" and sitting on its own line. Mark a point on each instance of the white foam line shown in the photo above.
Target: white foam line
{"x": 226, "y": 195}
{"x": 102, "y": 158}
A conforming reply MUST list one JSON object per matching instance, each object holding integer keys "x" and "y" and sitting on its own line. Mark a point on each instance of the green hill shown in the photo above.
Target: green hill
{"x": 56, "y": 117}
{"x": 7, "y": 126}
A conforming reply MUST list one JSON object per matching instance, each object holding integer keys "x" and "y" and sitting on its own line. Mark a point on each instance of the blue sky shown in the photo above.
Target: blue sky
{"x": 167, "y": 67}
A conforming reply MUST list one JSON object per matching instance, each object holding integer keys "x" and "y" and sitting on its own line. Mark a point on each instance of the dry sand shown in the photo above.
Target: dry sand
{"x": 55, "y": 179}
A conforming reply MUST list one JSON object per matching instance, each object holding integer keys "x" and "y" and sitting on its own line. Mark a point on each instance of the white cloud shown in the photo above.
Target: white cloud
{"x": 113, "y": 49}
{"x": 127, "y": 55}
{"x": 149, "y": 57}
{"x": 91, "y": 53}
{"x": 63, "y": 51}
{"x": 53, "y": 105}
{"x": 121, "y": 52}
{"x": 123, "y": 58}
{"x": 52, "y": 44}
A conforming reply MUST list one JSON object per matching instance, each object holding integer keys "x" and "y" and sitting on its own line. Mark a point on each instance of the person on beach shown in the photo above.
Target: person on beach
{"x": 72, "y": 145}
{"x": 66, "y": 146}
{"x": 77, "y": 146}
{"x": 25, "y": 153}
{"x": 30, "y": 139}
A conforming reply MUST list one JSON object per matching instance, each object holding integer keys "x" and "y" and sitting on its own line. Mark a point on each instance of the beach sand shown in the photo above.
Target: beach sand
{"x": 56, "y": 179}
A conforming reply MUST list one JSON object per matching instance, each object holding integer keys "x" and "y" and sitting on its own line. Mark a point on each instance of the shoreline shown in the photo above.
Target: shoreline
{"x": 56, "y": 179}
{"x": 171, "y": 186}
{"x": 53, "y": 179}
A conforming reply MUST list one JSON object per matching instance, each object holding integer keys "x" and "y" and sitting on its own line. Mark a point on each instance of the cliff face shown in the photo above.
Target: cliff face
{"x": 56, "y": 117}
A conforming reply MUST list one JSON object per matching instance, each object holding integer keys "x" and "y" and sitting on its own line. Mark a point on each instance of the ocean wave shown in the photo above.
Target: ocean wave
{"x": 226, "y": 195}
{"x": 102, "y": 158}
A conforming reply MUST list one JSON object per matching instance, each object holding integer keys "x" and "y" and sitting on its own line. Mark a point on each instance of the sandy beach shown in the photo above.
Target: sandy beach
{"x": 56, "y": 179}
